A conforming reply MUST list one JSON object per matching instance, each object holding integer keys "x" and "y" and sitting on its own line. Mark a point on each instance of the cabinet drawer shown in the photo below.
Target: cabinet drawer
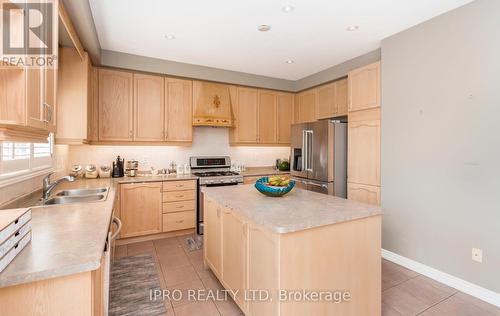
{"x": 170, "y": 207}
{"x": 175, "y": 196}
{"x": 179, "y": 185}
{"x": 178, "y": 221}
{"x": 14, "y": 239}
{"x": 14, "y": 225}
{"x": 5, "y": 260}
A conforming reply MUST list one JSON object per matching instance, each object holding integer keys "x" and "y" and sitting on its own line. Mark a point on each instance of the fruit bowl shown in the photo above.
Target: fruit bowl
{"x": 262, "y": 185}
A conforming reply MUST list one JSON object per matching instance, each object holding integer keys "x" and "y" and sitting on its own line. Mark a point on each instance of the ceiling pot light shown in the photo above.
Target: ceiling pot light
{"x": 264, "y": 28}
{"x": 288, "y": 8}
{"x": 170, "y": 36}
{"x": 352, "y": 28}
{"x": 289, "y": 61}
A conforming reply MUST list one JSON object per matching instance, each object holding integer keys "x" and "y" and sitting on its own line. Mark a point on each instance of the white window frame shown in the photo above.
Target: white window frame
{"x": 28, "y": 168}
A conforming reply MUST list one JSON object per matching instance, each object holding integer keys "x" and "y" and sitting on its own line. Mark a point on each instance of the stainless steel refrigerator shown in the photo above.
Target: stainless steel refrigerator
{"x": 319, "y": 157}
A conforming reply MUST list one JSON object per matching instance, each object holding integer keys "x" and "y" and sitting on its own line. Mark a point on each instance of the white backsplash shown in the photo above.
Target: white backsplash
{"x": 206, "y": 141}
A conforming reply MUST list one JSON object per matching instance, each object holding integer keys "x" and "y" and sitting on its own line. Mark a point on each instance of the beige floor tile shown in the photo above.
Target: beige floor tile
{"x": 460, "y": 305}
{"x": 393, "y": 274}
{"x": 140, "y": 248}
{"x": 184, "y": 288}
{"x": 179, "y": 275}
{"x": 477, "y": 302}
{"x": 389, "y": 311}
{"x": 166, "y": 242}
{"x": 120, "y": 251}
{"x": 416, "y": 295}
{"x": 427, "y": 290}
{"x": 169, "y": 251}
{"x": 212, "y": 283}
{"x": 203, "y": 272}
{"x": 205, "y": 308}
{"x": 403, "y": 302}
{"x": 173, "y": 262}
{"x": 227, "y": 307}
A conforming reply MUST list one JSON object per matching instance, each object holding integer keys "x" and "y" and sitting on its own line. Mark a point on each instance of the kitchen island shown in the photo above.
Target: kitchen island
{"x": 302, "y": 254}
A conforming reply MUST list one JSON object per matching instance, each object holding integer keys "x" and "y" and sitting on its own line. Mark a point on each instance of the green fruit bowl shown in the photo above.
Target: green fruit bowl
{"x": 273, "y": 191}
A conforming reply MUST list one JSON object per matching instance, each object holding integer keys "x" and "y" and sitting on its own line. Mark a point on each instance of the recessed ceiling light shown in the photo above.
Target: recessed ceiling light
{"x": 288, "y": 8}
{"x": 352, "y": 28}
{"x": 170, "y": 36}
{"x": 264, "y": 28}
{"x": 289, "y": 61}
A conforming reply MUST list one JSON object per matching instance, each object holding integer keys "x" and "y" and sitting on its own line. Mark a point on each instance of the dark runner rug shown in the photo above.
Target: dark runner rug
{"x": 132, "y": 279}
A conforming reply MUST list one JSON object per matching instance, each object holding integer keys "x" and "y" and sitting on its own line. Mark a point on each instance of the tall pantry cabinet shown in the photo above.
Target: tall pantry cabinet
{"x": 363, "y": 172}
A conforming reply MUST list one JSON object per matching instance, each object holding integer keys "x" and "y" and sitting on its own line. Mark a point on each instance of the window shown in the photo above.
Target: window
{"x": 24, "y": 158}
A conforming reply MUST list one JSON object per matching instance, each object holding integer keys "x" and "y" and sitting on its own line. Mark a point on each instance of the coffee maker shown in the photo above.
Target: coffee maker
{"x": 118, "y": 170}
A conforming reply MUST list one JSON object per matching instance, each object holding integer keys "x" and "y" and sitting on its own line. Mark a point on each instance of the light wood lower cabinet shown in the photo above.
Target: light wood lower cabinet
{"x": 212, "y": 238}
{"x": 364, "y": 147}
{"x": 178, "y": 220}
{"x": 80, "y": 294}
{"x": 234, "y": 248}
{"x": 154, "y": 207}
{"x": 247, "y": 257}
{"x": 369, "y": 194}
{"x": 141, "y": 209}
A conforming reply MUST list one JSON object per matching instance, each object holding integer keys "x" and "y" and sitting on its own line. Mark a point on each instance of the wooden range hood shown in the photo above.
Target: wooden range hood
{"x": 213, "y": 104}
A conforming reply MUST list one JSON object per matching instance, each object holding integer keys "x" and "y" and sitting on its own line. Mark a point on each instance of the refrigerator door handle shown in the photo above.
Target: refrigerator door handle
{"x": 309, "y": 140}
{"x": 304, "y": 151}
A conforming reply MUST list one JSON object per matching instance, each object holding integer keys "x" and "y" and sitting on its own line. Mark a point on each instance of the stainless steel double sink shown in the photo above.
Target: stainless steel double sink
{"x": 78, "y": 196}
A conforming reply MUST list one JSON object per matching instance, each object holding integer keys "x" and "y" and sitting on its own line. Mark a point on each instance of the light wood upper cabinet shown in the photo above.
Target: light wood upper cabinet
{"x": 332, "y": 99}
{"x": 284, "y": 117}
{"x": 93, "y": 106}
{"x": 341, "y": 90}
{"x": 305, "y": 106}
{"x": 140, "y": 208}
{"x": 35, "y": 114}
{"x": 364, "y": 87}
{"x": 234, "y": 258}
{"x": 179, "y": 110}
{"x": 267, "y": 117}
{"x": 246, "y": 116}
{"x": 327, "y": 107}
{"x": 74, "y": 97}
{"x": 115, "y": 105}
{"x": 149, "y": 106}
{"x": 364, "y": 148}
{"x": 213, "y": 236}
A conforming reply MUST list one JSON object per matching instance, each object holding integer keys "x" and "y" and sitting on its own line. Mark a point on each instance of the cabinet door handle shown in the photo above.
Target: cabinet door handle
{"x": 180, "y": 206}
{"x": 47, "y": 109}
{"x": 179, "y": 196}
{"x": 181, "y": 221}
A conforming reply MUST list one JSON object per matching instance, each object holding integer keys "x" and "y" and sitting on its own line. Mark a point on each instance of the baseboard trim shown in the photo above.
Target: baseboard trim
{"x": 445, "y": 278}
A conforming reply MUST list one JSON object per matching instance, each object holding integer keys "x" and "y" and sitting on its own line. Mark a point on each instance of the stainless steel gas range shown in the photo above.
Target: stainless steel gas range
{"x": 212, "y": 171}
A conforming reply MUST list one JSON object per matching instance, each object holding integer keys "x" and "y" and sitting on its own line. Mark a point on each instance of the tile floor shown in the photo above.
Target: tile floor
{"x": 405, "y": 292}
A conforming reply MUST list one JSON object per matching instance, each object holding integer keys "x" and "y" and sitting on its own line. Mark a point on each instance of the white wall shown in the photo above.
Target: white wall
{"x": 206, "y": 141}
{"x": 441, "y": 142}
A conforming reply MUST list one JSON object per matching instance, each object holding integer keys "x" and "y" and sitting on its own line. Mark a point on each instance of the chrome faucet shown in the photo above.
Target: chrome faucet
{"x": 48, "y": 187}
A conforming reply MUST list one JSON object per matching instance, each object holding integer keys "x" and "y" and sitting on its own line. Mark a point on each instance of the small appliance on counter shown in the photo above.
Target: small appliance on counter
{"x": 118, "y": 170}
{"x": 91, "y": 171}
{"x": 132, "y": 167}
{"x": 104, "y": 172}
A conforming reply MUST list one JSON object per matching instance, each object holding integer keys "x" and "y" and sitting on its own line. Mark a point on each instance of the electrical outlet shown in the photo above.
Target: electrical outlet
{"x": 477, "y": 255}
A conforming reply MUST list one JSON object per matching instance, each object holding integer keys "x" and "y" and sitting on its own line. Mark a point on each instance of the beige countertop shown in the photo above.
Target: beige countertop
{"x": 261, "y": 171}
{"x": 296, "y": 211}
{"x": 70, "y": 238}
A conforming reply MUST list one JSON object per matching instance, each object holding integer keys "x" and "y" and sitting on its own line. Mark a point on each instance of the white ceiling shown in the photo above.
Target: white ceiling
{"x": 223, "y": 33}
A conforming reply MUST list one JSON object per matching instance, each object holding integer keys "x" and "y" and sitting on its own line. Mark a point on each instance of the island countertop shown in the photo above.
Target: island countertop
{"x": 298, "y": 210}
